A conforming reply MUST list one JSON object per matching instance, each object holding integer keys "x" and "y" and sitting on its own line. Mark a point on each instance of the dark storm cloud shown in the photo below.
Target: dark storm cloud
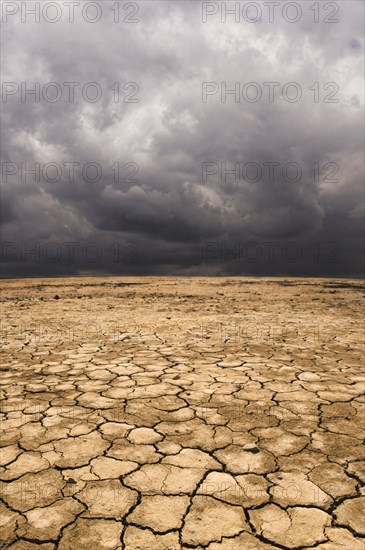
{"x": 160, "y": 222}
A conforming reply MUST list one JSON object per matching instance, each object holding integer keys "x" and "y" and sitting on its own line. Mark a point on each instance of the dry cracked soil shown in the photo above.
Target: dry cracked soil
{"x": 152, "y": 413}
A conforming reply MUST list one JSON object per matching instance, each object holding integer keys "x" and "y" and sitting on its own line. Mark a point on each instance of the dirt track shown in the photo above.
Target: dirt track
{"x": 174, "y": 413}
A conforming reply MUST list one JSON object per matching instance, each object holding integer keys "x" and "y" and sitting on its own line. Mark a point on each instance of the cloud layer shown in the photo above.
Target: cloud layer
{"x": 174, "y": 193}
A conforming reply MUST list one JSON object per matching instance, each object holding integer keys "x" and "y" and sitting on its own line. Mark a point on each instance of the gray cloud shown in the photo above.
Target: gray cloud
{"x": 162, "y": 222}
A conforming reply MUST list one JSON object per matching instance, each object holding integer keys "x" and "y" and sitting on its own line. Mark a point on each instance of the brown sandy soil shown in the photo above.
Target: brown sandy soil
{"x": 173, "y": 413}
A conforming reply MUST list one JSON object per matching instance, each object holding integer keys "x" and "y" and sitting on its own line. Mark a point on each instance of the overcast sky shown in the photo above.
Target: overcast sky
{"x": 174, "y": 210}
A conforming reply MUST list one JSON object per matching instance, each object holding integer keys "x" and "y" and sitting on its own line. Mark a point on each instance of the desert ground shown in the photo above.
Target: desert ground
{"x": 162, "y": 413}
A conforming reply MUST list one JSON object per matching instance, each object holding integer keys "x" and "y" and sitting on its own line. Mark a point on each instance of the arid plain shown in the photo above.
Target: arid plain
{"x": 162, "y": 413}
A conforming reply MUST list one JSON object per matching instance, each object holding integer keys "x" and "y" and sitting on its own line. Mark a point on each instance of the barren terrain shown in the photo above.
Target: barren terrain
{"x": 152, "y": 413}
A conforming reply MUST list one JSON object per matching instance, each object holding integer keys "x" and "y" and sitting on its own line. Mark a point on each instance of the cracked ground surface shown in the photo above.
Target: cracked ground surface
{"x": 173, "y": 413}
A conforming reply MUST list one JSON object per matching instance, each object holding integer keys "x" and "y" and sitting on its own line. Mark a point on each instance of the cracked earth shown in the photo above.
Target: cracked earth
{"x": 174, "y": 413}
